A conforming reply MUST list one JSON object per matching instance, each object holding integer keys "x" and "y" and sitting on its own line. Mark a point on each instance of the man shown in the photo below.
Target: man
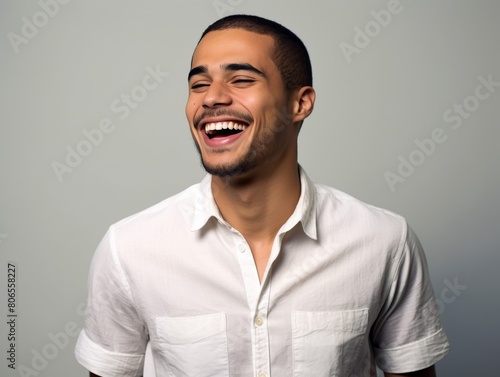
{"x": 256, "y": 271}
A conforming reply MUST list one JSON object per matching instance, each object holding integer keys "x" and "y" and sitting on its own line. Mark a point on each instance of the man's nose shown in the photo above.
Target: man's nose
{"x": 217, "y": 95}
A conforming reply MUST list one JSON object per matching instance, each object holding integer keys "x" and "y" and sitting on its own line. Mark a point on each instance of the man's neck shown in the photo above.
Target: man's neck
{"x": 259, "y": 204}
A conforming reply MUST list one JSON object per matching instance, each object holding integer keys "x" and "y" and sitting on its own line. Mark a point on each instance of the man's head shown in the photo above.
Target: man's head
{"x": 249, "y": 91}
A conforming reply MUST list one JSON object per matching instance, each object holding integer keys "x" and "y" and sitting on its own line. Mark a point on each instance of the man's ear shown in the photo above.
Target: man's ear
{"x": 303, "y": 103}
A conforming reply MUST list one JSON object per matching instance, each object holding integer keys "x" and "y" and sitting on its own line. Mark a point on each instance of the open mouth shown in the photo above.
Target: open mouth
{"x": 224, "y": 129}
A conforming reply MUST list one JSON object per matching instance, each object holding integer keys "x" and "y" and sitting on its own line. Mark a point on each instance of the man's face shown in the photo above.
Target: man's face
{"x": 237, "y": 103}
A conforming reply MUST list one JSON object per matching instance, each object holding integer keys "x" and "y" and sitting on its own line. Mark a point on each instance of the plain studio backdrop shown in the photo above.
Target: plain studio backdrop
{"x": 93, "y": 130}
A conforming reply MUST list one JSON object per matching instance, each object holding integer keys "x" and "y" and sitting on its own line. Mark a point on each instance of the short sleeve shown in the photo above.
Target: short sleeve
{"x": 407, "y": 335}
{"x": 113, "y": 341}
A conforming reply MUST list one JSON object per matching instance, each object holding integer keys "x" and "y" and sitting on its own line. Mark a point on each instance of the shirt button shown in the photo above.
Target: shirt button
{"x": 259, "y": 321}
{"x": 241, "y": 248}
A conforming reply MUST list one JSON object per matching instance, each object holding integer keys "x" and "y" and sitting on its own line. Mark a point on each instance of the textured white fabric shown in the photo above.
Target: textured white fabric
{"x": 346, "y": 287}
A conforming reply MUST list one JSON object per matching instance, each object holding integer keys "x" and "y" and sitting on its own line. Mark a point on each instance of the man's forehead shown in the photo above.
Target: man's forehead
{"x": 239, "y": 42}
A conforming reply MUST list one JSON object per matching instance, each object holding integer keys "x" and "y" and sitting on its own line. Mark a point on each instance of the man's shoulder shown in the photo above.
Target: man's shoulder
{"x": 346, "y": 210}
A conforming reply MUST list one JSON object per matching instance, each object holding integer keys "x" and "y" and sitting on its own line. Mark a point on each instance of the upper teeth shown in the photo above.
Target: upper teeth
{"x": 224, "y": 126}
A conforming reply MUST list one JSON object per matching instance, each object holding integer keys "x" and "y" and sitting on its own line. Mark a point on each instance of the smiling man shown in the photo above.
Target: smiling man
{"x": 257, "y": 271}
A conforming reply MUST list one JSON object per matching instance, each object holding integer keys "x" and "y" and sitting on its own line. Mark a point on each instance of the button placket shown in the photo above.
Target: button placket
{"x": 261, "y": 332}
{"x": 258, "y": 298}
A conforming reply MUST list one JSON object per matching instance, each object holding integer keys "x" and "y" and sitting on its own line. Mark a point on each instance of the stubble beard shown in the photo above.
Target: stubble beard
{"x": 241, "y": 166}
{"x": 232, "y": 169}
{"x": 257, "y": 153}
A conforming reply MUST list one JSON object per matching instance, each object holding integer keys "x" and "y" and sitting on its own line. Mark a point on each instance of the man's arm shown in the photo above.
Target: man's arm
{"x": 427, "y": 372}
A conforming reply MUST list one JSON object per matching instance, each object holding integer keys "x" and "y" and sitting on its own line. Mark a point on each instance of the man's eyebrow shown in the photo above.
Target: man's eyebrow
{"x": 227, "y": 67}
{"x": 197, "y": 71}
{"x": 242, "y": 67}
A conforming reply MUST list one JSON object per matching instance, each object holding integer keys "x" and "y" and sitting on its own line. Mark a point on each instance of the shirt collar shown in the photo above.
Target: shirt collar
{"x": 204, "y": 207}
{"x": 305, "y": 211}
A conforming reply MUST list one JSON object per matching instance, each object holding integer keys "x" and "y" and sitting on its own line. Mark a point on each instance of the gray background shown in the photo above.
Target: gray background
{"x": 369, "y": 112}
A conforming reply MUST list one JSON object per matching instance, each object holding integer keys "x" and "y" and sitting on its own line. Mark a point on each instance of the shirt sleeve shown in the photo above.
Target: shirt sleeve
{"x": 114, "y": 338}
{"x": 407, "y": 335}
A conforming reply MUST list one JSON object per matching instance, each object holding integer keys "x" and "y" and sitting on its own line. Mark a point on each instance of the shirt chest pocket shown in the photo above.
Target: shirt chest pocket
{"x": 327, "y": 344}
{"x": 192, "y": 346}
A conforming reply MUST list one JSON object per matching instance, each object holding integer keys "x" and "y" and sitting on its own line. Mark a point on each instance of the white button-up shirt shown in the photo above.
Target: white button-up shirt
{"x": 346, "y": 287}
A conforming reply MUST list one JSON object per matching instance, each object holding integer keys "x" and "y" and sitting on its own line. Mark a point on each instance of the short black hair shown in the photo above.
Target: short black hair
{"x": 290, "y": 54}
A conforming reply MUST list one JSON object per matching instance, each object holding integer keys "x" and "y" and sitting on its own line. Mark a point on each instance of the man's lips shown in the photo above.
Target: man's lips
{"x": 221, "y": 128}
{"x": 221, "y": 132}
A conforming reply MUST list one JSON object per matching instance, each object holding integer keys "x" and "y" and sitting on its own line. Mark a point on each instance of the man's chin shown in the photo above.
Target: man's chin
{"x": 227, "y": 170}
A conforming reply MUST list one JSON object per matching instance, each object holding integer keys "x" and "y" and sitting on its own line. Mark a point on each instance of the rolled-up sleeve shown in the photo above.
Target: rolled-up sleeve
{"x": 113, "y": 341}
{"x": 407, "y": 335}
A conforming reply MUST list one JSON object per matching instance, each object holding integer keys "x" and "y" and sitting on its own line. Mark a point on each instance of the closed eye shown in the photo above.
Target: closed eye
{"x": 196, "y": 86}
{"x": 243, "y": 81}
{"x": 200, "y": 85}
